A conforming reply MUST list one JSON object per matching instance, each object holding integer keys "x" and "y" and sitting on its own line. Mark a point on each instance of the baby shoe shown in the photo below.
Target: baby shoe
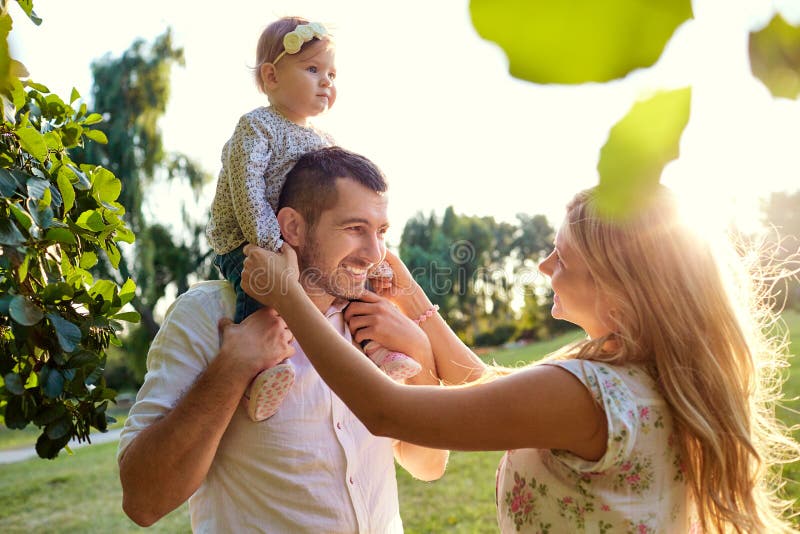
{"x": 397, "y": 365}
{"x": 268, "y": 390}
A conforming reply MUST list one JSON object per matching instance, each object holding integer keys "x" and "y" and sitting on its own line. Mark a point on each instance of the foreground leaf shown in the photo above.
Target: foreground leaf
{"x": 775, "y": 57}
{"x": 638, "y": 148}
{"x": 578, "y": 41}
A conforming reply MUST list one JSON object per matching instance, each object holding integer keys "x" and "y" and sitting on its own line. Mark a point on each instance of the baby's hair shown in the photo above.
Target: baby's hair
{"x": 270, "y": 43}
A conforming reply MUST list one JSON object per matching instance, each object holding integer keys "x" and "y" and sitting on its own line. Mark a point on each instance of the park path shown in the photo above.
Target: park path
{"x": 24, "y": 453}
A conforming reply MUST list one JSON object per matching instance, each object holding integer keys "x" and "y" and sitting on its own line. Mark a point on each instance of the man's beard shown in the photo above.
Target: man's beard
{"x": 318, "y": 281}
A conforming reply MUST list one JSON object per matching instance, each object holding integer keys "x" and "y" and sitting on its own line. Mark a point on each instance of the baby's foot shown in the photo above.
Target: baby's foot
{"x": 268, "y": 390}
{"x": 382, "y": 270}
{"x": 397, "y": 365}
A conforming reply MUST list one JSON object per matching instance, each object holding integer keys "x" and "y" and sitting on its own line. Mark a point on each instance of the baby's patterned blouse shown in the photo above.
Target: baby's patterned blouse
{"x": 264, "y": 146}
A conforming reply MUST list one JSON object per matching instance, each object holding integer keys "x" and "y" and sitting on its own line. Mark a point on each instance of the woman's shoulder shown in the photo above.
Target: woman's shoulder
{"x": 603, "y": 378}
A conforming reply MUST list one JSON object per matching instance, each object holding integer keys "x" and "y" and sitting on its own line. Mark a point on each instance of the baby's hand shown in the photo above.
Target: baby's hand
{"x": 267, "y": 276}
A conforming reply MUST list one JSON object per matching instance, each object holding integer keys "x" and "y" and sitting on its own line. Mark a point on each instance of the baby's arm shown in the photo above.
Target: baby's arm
{"x": 245, "y": 158}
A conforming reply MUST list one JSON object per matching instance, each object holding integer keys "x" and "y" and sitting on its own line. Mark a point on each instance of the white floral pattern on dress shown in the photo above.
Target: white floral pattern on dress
{"x": 263, "y": 148}
{"x": 632, "y": 488}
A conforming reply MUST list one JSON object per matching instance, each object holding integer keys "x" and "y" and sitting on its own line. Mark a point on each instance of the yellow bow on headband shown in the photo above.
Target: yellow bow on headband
{"x": 295, "y": 39}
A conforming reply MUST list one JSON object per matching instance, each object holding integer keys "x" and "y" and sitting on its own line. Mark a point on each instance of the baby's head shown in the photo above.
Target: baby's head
{"x": 293, "y": 42}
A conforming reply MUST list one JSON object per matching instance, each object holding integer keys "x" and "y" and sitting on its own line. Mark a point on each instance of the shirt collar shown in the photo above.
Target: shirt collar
{"x": 337, "y": 306}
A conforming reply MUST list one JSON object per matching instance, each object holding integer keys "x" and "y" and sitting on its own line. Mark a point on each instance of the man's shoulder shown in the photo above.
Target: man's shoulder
{"x": 215, "y": 297}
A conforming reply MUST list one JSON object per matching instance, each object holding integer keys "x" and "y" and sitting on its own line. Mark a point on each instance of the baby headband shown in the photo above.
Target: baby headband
{"x": 295, "y": 39}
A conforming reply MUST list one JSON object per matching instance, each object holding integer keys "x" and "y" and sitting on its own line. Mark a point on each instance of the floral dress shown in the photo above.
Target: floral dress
{"x": 638, "y": 486}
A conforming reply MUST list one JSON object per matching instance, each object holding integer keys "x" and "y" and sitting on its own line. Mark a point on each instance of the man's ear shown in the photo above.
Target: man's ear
{"x": 293, "y": 226}
{"x": 269, "y": 76}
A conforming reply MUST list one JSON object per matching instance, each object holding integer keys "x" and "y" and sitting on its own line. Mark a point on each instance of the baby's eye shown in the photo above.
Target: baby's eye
{"x": 312, "y": 69}
{"x": 332, "y": 75}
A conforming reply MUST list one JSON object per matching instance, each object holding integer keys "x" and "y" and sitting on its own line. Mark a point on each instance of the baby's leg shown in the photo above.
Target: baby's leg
{"x": 269, "y": 388}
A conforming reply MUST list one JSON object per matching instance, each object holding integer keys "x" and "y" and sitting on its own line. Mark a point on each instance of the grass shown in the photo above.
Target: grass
{"x": 81, "y": 493}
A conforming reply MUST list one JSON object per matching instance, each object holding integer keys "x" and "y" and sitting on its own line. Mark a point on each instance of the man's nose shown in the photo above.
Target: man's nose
{"x": 374, "y": 249}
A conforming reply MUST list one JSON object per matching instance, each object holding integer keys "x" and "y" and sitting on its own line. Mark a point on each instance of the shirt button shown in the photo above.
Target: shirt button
{"x": 351, "y": 480}
{"x": 338, "y": 425}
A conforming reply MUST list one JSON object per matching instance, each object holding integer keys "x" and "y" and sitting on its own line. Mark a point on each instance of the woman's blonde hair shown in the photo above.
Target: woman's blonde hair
{"x": 709, "y": 340}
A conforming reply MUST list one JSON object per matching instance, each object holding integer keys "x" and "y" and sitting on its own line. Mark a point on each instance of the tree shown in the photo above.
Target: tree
{"x": 474, "y": 267}
{"x": 56, "y": 219}
{"x": 132, "y": 92}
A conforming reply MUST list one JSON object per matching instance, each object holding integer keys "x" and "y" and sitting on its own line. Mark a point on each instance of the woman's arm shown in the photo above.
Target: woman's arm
{"x": 456, "y": 363}
{"x": 538, "y": 407}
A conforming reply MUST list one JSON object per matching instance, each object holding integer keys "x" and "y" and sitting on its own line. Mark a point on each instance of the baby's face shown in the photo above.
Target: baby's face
{"x": 305, "y": 81}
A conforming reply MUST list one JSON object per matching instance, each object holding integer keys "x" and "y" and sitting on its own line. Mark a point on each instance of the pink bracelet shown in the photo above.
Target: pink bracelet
{"x": 428, "y": 314}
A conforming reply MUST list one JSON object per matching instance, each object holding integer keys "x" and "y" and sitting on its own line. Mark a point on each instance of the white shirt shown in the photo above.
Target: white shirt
{"x": 312, "y": 467}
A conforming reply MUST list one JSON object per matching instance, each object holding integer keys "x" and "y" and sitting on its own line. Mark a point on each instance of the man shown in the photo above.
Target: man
{"x": 312, "y": 467}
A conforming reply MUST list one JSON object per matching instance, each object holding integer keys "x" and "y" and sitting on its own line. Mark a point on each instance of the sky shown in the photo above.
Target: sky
{"x": 432, "y": 103}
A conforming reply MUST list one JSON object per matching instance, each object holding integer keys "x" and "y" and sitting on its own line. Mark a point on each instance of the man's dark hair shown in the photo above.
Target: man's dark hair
{"x": 310, "y": 186}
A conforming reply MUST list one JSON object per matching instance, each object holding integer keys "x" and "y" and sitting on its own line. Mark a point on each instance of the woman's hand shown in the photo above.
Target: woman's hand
{"x": 374, "y": 317}
{"x": 267, "y": 276}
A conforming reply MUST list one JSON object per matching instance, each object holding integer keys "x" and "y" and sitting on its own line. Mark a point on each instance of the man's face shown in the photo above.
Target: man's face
{"x": 346, "y": 241}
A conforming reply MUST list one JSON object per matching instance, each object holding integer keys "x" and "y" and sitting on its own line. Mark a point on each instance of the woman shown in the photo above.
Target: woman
{"x": 657, "y": 422}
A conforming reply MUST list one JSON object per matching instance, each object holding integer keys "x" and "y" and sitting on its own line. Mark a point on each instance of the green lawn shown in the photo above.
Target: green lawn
{"x": 81, "y": 493}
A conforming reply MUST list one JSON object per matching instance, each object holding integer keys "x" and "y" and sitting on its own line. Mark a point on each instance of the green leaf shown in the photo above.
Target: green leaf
{"x": 91, "y": 220}
{"x": 13, "y": 383}
{"x": 22, "y": 216}
{"x": 52, "y": 381}
{"x": 83, "y": 358}
{"x": 96, "y": 136}
{"x": 57, "y": 293}
{"x": 94, "y": 118}
{"x": 775, "y": 57}
{"x": 74, "y": 95}
{"x": 638, "y": 148}
{"x": 50, "y": 414}
{"x": 24, "y": 311}
{"x": 66, "y": 189}
{"x": 578, "y": 41}
{"x": 104, "y": 288}
{"x": 37, "y": 187}
{"x": 33, "y": 142}
{"x": 27, "y": 7}
{"x": 131, "y": 317}
{"x": 127, "y": 291}
{"x": 39, "y": 87}
{"x": 23, "y": 268}
{"x": 60, "y": 235}
{"x": 59, "y": 428}
{"x": 42, "y": 215}
{"x": 88, "y": 260}
{"x": 84, "y": 184}
{"x": 49, "y": 448}
{"x": 69, "y": 335}
{"x": 113, "y": 254}
{"x": 14, "y": 414}
{"x": 8, "y": 184}
{"x": 105, "y": 186}
{"x": 9, "y": 233}
{"x": 125, "y": 235}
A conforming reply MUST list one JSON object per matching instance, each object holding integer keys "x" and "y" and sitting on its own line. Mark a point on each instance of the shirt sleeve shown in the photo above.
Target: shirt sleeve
{"x": 185, "y": 343}
{"x": 618, "y": 402}
{"x": 246, "y": 157}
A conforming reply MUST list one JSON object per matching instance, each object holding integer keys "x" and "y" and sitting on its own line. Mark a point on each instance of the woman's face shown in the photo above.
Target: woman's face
{"x": 575, "y": 296}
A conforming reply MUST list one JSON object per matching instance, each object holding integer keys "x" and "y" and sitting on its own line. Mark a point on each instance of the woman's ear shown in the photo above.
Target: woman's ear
{"x": 293, "y": 226}
{"x": 269, "y": 76}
